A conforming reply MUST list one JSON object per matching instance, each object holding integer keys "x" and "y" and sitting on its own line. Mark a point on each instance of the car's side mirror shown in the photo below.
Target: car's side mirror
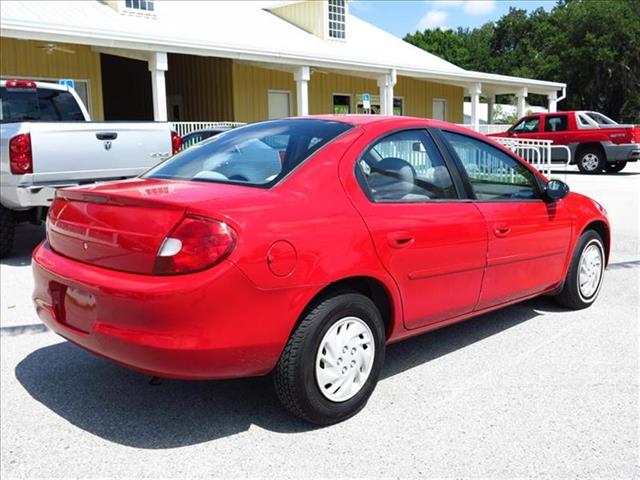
{"x": 556, "y": 189}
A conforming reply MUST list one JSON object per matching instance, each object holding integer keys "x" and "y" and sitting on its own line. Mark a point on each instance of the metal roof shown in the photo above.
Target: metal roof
{"x": 244, "y": 30}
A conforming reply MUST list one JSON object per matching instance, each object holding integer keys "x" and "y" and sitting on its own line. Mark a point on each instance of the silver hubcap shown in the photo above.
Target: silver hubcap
{"x": 590, "y": 161}
{"x": 344, "y": 359}
{"x": 590, "y": 270}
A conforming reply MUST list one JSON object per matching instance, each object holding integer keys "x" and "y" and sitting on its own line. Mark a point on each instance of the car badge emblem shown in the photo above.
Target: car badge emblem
{"x": 85, "y": 245}
{"x": 107, "y": 145}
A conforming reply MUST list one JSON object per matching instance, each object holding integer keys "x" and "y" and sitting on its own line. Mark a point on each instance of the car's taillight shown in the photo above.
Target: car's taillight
{"x": 20, "y": 154}
{"x": 176, "y": 142}
{"x": 195, "y": 244}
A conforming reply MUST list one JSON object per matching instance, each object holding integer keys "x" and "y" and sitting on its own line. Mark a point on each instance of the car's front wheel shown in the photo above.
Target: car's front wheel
{"x": 331, "y": 363}
{"x": 584, "y": 278}
{"x": 614, "y": 167}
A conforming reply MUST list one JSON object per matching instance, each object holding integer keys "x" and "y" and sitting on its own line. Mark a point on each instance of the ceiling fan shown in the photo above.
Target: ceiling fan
{"x": 49, "y": 48}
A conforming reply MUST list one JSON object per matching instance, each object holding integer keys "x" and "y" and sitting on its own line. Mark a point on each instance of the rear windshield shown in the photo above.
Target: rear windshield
{"x": 259, "y": 154}
{"x": 38, "y": 104}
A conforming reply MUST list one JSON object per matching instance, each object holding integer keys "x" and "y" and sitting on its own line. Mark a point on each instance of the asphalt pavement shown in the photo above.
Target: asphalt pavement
{"x": 532, "y": 390}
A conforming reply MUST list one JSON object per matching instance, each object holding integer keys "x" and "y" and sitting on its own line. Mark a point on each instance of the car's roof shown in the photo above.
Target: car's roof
{"x": 389, "y": 120}
{"x": 399, "y": 120}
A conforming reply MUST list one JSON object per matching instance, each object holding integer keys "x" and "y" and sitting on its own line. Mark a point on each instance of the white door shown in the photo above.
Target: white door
{"x": 439, "y": 110}
{"x": 279, "y": 105}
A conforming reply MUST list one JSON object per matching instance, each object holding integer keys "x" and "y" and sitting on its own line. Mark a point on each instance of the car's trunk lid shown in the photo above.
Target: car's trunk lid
{"x": 122, "y": 225}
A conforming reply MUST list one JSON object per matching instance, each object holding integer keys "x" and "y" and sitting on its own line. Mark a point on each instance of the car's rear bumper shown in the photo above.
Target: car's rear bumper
{"x": 627, "y": 152}
{"x": 208, "y": 325}
{"x": 26, "y": 197}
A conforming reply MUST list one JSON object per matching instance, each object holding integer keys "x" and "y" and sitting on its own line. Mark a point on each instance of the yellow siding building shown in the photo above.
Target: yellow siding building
{"x": 237, "y": 61}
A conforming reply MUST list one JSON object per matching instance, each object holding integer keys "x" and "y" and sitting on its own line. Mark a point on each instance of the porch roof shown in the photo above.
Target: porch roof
{"x": 244, "y": 30}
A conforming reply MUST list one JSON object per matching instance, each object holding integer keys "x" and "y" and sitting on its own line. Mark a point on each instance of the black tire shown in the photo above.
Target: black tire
{"x": 294, "y": 376}
{"x": 7, "y": 231}
{"x": 571, "y": 296}
{"x": 591, "y": 160}
{"x": 614, "y": 167}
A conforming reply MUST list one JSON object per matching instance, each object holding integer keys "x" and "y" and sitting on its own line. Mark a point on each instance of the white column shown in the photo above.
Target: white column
{"x": 474, "y": 92}
{"x": 302, "y": 76}
{"x": 553, "y": 102}
{"x": 521, "y": 96}
{"x": 158, "y": 64}
{"x": 490, "y": 107}
{"x": 386, "y": 83}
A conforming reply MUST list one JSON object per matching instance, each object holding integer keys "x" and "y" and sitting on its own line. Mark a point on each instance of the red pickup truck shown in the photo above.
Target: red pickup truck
{"x": 597, "y": 143}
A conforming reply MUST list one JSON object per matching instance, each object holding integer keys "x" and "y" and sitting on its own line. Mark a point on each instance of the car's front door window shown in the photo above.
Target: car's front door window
{"x": 493, "y": 174}
{"x": 527, "y": 125}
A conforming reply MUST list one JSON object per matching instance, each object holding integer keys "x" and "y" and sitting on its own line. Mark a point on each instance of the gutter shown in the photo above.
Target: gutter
{"x": 103, "y": 38}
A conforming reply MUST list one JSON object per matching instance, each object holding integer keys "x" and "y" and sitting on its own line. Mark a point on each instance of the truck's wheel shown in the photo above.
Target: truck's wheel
{"x": 332, "y": 362}
{"x": 614, "y": 167}
{"x": 7, "y": 229}
{"x": 591, "y": 160}
{"x": 584, "y": 279}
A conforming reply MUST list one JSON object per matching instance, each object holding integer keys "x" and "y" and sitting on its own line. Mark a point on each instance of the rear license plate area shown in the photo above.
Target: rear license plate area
{"x": 73, "y": 307}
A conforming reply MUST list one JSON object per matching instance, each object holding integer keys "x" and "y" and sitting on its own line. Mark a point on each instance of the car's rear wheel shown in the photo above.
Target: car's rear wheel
{"x": 614, "y": 167}
{"x": 331, "y": 363}
{"x": 591, "y": 160}
{"x": 7, "y": 231}
{"x": 584, "y": 279}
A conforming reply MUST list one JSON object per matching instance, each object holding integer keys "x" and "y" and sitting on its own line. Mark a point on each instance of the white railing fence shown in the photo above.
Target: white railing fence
{"x": 536, "y": 152}
{"x": 486, "y": 129}
{"x": 183, "y": 128}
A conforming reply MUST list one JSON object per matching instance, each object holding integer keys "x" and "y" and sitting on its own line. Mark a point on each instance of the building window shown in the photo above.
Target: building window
{"x": 398, "y": 108}
{"x": 376, "y": 109}
{"x": 337, "y": 19}
{"x": 144, "y": 5}
{"x": 341, "y": 104}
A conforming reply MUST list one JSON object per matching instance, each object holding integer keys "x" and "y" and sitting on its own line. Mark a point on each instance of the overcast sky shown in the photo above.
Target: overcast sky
{"x": 400, "y": 17}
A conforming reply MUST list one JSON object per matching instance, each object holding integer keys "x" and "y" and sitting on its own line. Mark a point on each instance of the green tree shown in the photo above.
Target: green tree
{"x": 592, "y": 45}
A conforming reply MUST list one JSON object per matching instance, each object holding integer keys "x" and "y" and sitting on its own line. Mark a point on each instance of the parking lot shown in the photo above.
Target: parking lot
{"x": 528, "y": 391}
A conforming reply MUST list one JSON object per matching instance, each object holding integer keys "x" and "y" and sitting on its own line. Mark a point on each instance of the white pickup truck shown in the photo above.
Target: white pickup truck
{"x": 47, "y": 141}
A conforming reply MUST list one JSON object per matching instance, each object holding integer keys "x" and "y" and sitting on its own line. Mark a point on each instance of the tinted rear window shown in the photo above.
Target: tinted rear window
{"x": 21, "y": 105}
{"x": 258, "y": 155}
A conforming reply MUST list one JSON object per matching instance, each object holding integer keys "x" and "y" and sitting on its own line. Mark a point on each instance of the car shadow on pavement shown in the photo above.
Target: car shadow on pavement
{"x": 27, "y": 238}
{"x": 122, "y": 406}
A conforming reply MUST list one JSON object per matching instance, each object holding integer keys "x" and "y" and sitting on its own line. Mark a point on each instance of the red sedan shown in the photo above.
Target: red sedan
{"x": 303, "y": 246}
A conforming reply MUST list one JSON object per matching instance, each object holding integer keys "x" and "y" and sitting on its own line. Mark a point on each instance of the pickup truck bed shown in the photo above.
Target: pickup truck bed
{"x": 74, "y": 153}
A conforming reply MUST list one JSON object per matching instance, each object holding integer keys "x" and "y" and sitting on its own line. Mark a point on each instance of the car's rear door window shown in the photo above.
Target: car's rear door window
{"x": 555, "y": 123}
{"x": 259, "y": 155}
{"x": 405, "y": 167}
{"x": 492, "y": 173}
